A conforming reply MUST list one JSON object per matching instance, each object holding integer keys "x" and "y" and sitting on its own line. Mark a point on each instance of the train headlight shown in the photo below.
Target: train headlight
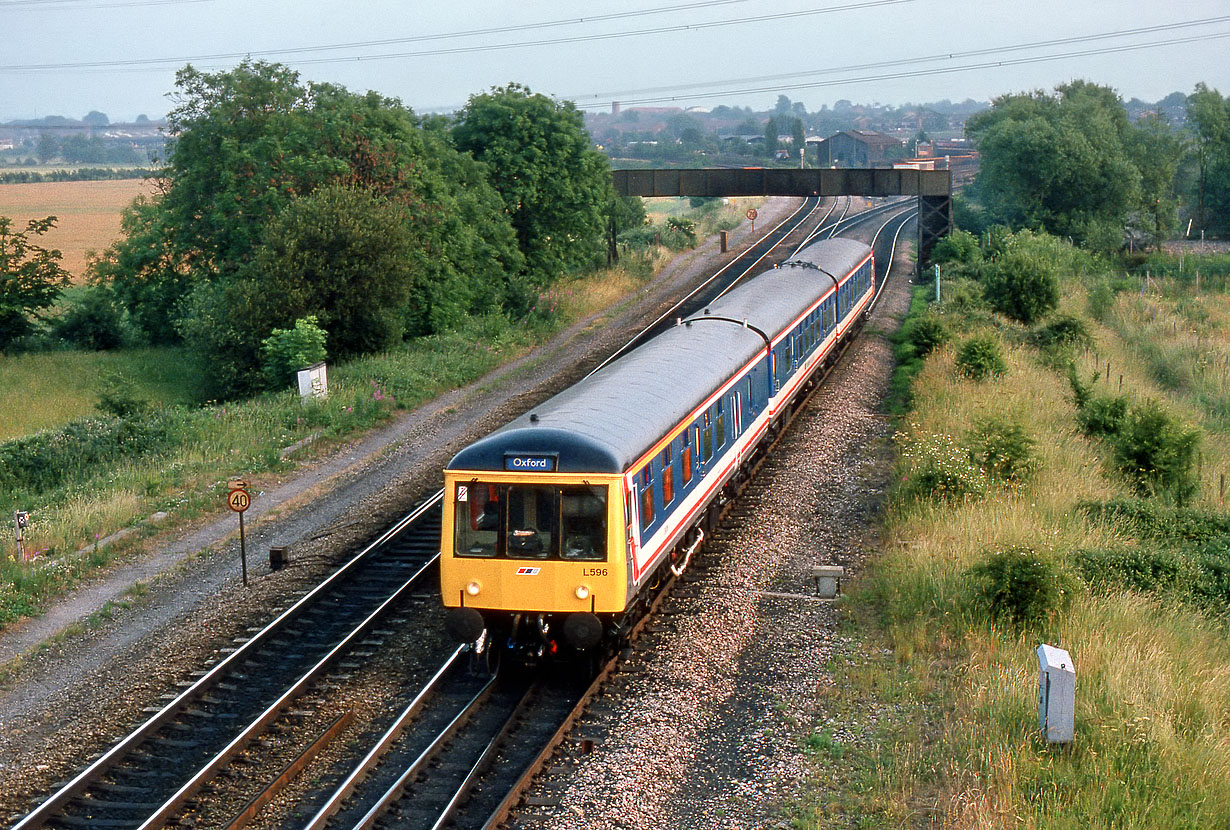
{"x": 473, "y": 588}
{"x": 582, "y": 592}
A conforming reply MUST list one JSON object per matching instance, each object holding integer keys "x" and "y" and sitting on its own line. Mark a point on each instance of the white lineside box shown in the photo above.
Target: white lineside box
{"x": 1056, "y": 694}
{"x": 314, "y": 382}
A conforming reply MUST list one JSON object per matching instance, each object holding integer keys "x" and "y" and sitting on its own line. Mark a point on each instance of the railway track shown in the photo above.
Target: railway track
{"x": 146, "y": 778}
{"x": 463, "y": 751}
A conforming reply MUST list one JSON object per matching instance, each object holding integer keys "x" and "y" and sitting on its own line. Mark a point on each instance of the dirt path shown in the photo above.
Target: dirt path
{"x": 66, "y": 698}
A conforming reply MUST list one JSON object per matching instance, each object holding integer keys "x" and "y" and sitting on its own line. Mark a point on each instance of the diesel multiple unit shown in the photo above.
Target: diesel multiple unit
{"x": 557, "y": 526}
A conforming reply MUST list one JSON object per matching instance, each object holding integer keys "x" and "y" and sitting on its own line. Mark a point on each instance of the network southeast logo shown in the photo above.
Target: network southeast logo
{"x": 528, "y": 571}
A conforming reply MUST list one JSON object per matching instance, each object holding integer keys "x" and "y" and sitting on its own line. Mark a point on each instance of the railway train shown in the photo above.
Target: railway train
{"x": 558, "y": 526}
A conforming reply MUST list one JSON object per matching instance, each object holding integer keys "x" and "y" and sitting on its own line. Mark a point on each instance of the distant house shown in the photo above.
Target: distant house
{"x": 856, "y": 148}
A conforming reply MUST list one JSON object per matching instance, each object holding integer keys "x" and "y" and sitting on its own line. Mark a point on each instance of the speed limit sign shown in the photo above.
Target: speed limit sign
{"x": 751, "y": 214}
{"x": 238, "y": 500}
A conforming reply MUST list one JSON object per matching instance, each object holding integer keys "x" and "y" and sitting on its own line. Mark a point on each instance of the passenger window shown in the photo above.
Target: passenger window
{"x": 707, "y": 449}
{"x": 647, "y": 507}
{"x": 720, "y": 423}
{"x": 668, "y": 485}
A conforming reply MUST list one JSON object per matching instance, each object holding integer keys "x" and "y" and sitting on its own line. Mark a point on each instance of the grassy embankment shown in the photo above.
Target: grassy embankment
{"x": 94, "y": 475}
{"x": 940, "y": 689}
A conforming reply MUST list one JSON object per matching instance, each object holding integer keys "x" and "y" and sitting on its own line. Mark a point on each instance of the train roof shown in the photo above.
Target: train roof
{"x": 607, "y": 421}
{"x": 772, "y": 301}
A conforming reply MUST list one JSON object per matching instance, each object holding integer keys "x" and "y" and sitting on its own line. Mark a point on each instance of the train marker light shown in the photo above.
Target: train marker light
{"x": 582, "y": 591}
{"x": 473, "y": 588}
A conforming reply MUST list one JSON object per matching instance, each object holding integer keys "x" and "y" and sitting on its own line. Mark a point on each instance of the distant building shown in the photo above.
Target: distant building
{"x": 856, "y": 148}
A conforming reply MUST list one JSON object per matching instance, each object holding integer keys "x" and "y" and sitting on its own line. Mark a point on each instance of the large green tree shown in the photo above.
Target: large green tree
{"x": 556, "y": 188}
{"x": 249, "y": 149}
{"x": 1208, "y": 114}
{"x": 1062, "y": 163}
{"x": 30, "y": 277}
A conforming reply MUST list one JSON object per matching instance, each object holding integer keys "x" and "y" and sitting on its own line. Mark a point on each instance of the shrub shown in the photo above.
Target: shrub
{"x": 1150, "y": 520}
{"x": 1138, "y": 569}
{"x": 958, "y": 246}
{"x": 1018, "y": 586}
{"x": 1064, "y": 332}
{"x": 1156, "y": 453}
{"x": 119, "y": 396}
{"x": 91, "y": 321}
{"x": 1021, "y": 285}
{"x": 1102, "y": 415}
{"x": 1003, "y": 450}
{"x": 980, "y": 358}
{"x": 940, "y": 469}
{"x": 926, "y": 333}
{"x": 1101, "y": 300}
{"x": 286, "y": 351}
{"x": 1212, "y": 582}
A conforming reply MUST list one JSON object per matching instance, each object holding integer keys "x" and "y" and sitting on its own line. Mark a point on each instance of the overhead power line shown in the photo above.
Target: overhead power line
{"x": 684, "y": 27}
{"x": 918, "y": 73}
{"x": 788, "y": 76}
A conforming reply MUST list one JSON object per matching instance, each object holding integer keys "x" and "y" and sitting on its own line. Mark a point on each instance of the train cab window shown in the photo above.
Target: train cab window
{"x": 685, "y": 457}
{"x": 583, "y": 523}
{"x": 529, "y": 521}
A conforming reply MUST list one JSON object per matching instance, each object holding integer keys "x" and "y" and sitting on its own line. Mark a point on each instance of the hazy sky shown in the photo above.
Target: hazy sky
{"x": 67, "y": 57}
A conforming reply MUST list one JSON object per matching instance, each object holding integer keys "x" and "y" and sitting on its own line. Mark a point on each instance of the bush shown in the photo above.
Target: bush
{"x": 926, "y": 333}
{"x": 1137, "y": 569}
{"x": 1101, "y": 300}
{"x": 1021, "y": 285}
{"x": 119, "y": 397}
{"x": 959, "y": 246}
{"x": 1156, "y": 453}
{"x": 1102, "y": 415}
{"x": 1150, "y": 520}
{"x": 1019, "y": 586}
{"x": 940, "y": 469}
{"x": 1212, "y": 583}
{"x": 1064, "y": 332}
{"x": 980, "y": 358}
{"x": 286, "y": 351}
{"x": 1003, "y": 450}
{"x": 92, "y": 320}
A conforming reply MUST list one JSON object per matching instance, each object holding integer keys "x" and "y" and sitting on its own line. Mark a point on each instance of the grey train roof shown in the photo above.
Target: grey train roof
{"x": 772, "y": 301}
{"x": 608, "y": 420}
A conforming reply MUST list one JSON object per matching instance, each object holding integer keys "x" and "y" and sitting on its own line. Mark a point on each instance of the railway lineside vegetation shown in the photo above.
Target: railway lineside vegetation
{"x": 393, "y": 252}
{"x": 1074, "y": 498}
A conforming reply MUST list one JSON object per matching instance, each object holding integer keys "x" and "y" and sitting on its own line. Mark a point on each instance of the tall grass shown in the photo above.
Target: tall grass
{"x": 1153, "y": 670}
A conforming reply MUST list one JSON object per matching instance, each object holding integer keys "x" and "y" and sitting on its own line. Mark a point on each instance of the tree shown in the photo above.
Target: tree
{"x": 30, "y": 277}
{"x": 798, "y": 134}
{"x": 1157, "y": 151}
{"x": 1059, "y": 163}
{"x": 783, "y": 105}
{"x": 770, "y": 138}
{"x": 1021, "y": 284}
{"x": 556, "y": 188}
{"x": 238, "y": 216}
{"x": 47, "y": 148}
{"x": 1209, "y": 115}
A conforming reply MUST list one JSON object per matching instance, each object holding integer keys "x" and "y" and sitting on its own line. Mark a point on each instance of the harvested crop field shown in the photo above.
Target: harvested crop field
{"x": 88, "y": 214}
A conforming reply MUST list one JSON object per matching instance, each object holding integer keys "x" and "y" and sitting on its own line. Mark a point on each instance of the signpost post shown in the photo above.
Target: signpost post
{"x": 239, "y": 500}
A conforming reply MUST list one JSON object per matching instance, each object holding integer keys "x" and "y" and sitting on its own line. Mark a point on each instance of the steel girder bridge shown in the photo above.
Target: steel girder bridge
{"x": 932, "y": 188}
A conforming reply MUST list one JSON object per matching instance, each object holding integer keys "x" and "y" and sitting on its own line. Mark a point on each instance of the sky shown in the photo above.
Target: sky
{"x": 68, "y": 57}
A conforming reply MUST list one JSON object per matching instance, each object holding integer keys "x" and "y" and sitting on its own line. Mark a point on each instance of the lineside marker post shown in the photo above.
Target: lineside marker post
{"x": 239, "y": 500}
